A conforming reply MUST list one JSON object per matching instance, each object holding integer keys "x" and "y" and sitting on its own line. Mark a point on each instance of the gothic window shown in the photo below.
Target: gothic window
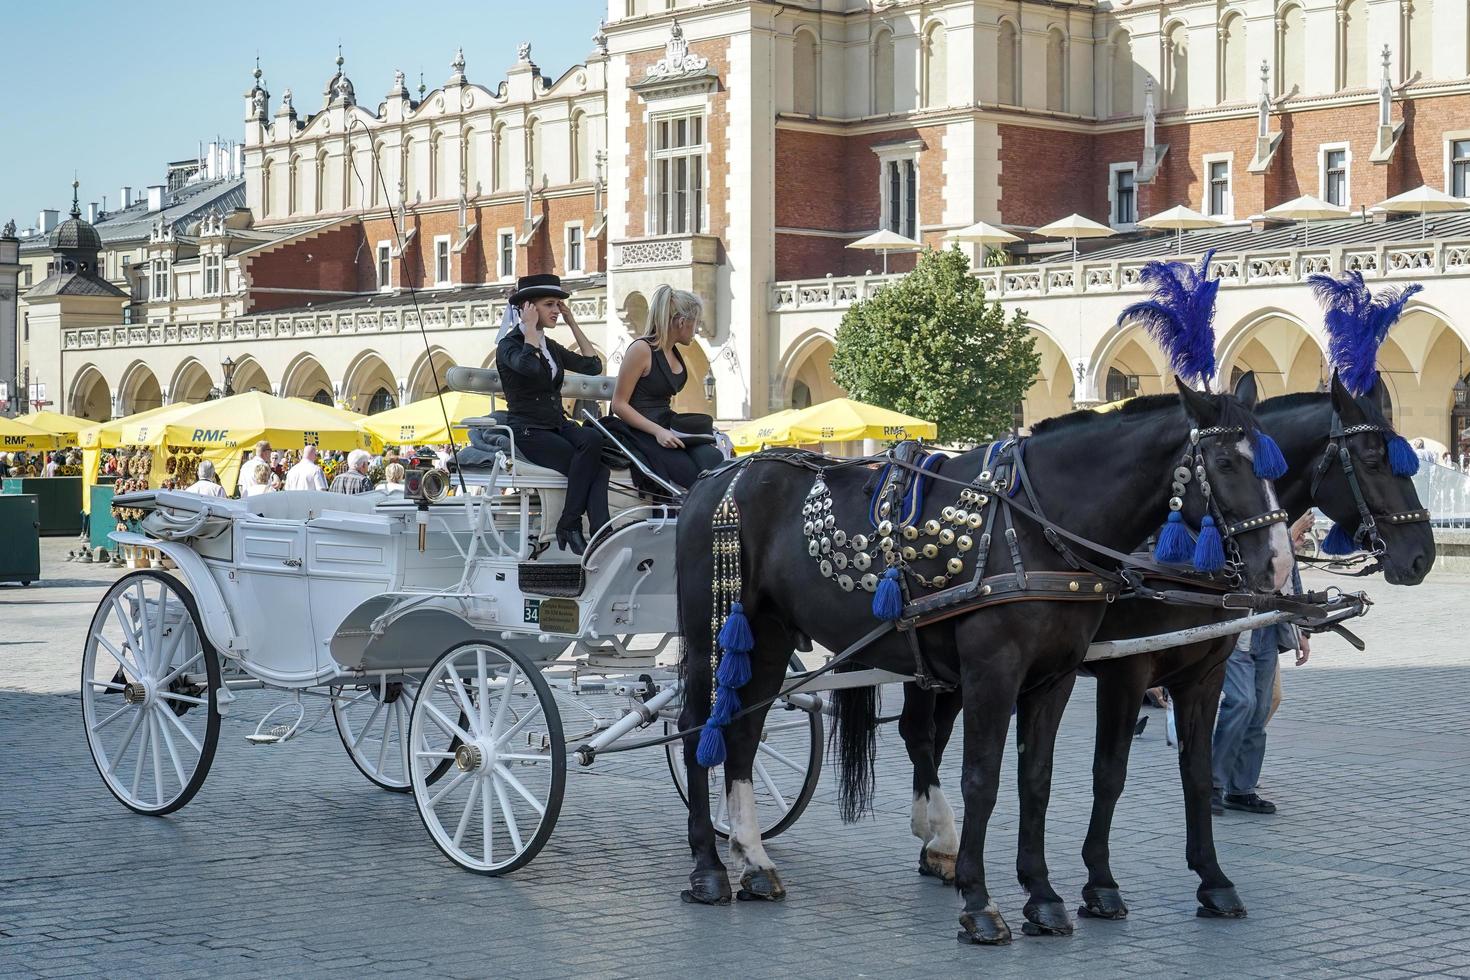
{"x": 1233, "y": 59}
{"x": 408, "y": 168}
{"x": 1176, "y": 68}
{"x": 883, "y": 72}
{"x": 506, "y": 255}
{"x": 321, "y": 181}
{"x": 936, "y": 66}
{"x": 385, "y": 266}
{"x": 1217, "y": 190}
{"x": 470, "y": 141}
{"x": 1120, "y": 385}
{"x": 1120, "y": 85}
{"x": 381, "y": 401}
{"x": 436, "y": 156}
{"x": 1124, "y": 195}
{"x": 899, "y": 190}
{"x": 804, "y": 70}
{"x": 1352, "y": 48}
{"x": 1335, "y": 175}
{"x": 1291, "y": 54}
{"x": 1056, "y": 71}
{"x": 574, "y": 248}
{"x": 678, "y": 174}
{"x": 441, "y": 261}
{"x": 1007, "y": 64}
{"x": 265, "y": 189}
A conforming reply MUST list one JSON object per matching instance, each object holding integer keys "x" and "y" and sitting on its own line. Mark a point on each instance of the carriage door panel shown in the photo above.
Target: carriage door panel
{"x": 269, "y": 600}
{"x": 349, "y": 559}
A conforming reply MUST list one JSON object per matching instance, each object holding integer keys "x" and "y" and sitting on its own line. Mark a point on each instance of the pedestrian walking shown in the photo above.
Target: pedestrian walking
{"x": 307, "y": 474}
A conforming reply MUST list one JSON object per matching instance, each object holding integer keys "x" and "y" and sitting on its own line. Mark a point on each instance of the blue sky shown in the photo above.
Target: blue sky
{"x": 116, "y": 90}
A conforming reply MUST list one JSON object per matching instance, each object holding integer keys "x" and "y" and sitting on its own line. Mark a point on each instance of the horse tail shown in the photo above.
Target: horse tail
{"x": 854, "y": 741}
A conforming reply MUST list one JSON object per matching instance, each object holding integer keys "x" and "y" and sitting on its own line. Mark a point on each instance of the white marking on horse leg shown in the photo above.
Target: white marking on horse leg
{"x": 944, "y": 837}
{"x": 919, "y": 818}
{"x": 746, "y": 848}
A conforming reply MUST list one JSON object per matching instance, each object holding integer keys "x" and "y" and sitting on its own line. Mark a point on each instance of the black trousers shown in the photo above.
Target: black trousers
{"x": 576, "y": 453}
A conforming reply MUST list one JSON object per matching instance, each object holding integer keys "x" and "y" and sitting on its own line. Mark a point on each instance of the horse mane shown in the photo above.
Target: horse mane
{"x": 1297, "y": 399}
{"x": 1233, "y": 413}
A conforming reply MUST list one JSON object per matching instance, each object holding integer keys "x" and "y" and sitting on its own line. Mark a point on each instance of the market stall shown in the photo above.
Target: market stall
{"x": 421, "y": 423}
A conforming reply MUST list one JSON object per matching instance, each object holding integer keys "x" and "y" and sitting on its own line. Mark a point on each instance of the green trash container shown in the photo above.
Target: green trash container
{"x": 59, "y": 499}
{"x": 20, "y": 538}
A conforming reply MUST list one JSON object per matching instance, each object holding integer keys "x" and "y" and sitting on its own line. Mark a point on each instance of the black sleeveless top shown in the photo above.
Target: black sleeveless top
{"x": 654, "y": 393}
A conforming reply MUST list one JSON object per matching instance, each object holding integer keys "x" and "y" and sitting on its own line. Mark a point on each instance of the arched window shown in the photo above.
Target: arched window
{"x": 1007, "y": 86}
{"x": 408, "y": 169}
{"x": 437, "y": 184}
{"x": 470, "y": 141}
{"x": 381, "y": 401}
{"x": 1420, "y": 47}
{"x": 581, "y": 143}
{"x": 1233, "y": 59}
{"x": 375, "y": 177}
{"x": 265, "y": 189}
{"x": 501, "y": 152}
{"x": 1176, "y": 68}
{"x": 883, "y": 72}
{"x": 1056, "y": 70}
{"x": 1120, "y": 66}
{"x": 1352, "y": 47}
{"x": 1120, "y": 385}
{"x": 936, "y": 65}
{"x": 1291, "y": 50}
{"x": 804, "y": 72}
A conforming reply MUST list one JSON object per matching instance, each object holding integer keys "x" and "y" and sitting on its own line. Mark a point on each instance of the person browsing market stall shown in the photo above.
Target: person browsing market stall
{"x": 532, "y": 368}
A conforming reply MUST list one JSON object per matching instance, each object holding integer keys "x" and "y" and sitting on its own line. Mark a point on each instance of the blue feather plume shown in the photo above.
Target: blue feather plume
{"x": 1181, "y": 315}
{"x": 1357, "y": 323}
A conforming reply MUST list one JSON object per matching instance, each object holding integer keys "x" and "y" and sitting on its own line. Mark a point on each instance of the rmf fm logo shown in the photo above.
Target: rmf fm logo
{"x": 210, "y": 435}
{"x": 15, "y": 440}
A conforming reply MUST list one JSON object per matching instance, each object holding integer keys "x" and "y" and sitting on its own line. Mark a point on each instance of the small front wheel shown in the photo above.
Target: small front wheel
{"x": 372, "y": 721}
{"x": 499, "y": 802}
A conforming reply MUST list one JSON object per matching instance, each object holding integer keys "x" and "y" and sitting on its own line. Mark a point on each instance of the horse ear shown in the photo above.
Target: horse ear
{"x": 1245, "y": 390}
{"x": 1197, "y": 405}
{"x": 1344, "y": 404}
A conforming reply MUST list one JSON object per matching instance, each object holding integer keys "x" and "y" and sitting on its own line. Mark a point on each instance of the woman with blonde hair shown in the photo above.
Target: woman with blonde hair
{"x": 676, "y": 446}
{"x": 393, "y": 475}
{"x": 258, "y": 478}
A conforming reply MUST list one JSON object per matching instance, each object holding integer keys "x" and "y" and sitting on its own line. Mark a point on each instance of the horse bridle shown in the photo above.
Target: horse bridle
{"x": 1192, "y": 466}
{"x": 1366, "y": 536}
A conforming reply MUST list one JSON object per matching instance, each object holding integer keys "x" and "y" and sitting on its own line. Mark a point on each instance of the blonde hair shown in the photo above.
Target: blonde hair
{"x": 667, "y": 304}
{"x": 393, "y": 473}
{"x": 260, "y": 472}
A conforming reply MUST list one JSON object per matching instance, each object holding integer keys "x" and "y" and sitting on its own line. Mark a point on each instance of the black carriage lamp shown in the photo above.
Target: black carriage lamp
{"x": 229, "y": 368}
{"x": 1462, "y": 393}
{"x": 709, "y": 386}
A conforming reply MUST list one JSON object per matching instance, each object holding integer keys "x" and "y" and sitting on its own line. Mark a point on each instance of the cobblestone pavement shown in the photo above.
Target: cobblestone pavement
{"x": 290, "y": 863}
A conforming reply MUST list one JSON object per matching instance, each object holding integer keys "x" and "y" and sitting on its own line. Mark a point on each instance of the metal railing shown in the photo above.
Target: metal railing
{"x": 1445, "y": 490}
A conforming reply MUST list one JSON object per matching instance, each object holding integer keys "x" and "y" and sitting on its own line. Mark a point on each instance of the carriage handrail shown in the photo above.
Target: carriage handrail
{"x": 673, "y": 490}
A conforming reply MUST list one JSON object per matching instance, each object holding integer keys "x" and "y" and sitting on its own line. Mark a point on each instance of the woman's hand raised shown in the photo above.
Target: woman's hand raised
{"x": 531, "y": 323}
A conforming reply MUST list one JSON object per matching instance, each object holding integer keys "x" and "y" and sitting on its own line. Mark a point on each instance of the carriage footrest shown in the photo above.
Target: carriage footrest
{"x": 551, "y": 578}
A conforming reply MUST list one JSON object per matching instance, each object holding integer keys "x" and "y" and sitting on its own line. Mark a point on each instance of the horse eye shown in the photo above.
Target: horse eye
{"x": 1224, "y": 462}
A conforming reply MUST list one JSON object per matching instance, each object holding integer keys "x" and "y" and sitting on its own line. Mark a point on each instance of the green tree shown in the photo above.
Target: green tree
{"x": 932, "y": 346}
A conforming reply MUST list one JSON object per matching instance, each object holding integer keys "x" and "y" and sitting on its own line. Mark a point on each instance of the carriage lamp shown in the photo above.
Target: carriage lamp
{"x": 228, "y": 365}
{"x": 709, "y": 386}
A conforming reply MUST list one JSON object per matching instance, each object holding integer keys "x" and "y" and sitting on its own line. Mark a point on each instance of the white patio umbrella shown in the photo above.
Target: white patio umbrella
{"x": 1177, "y": 219}
{"x": 1307, "y": 209}
{"x": 1073, "y": 227}
{"x": 886, "y": 241}
{"x": 982, "y": 234}
{"x": 1424, "y": 199}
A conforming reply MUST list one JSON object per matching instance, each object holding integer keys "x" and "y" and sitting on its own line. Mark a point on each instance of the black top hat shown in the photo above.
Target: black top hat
{"x": 537, "y": 286}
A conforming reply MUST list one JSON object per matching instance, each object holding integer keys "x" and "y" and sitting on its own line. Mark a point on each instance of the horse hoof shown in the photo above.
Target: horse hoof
{"x": 936, "y": 864}
{"x": 985, "y": 928}
{"x": 1046, "y": 919}
{"x": 707, "y": 887}
{"x": 1219, "y": 903}
{"x": 1102, "y": 903}
{"x": 761, "y": 885}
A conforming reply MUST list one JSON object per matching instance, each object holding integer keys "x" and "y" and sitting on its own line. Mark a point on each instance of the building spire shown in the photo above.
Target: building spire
{"x": 76, "y": 207}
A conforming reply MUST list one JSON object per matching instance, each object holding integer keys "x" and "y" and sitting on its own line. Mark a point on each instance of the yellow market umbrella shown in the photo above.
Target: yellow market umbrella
{"x": 65, "y": 426}
{"x": 421, "y": 423}
{"x": 106, "y": 435}
{"x": 343, "y": 413}
{"x": 768, "y": 430}
{"x": 845, "y": 420}
{"x": 19, "y": 437}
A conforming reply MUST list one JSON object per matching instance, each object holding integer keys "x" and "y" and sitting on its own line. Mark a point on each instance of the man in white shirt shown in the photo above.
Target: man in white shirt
{"x": 206, "y": 486}
{"x": 307, "y": 474}
{"x": 247, "y": 469}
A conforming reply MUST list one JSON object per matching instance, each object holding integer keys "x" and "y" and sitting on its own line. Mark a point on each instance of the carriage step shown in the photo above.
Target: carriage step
{"x": 565, "y": 579}
{"x": 272, "y": 736}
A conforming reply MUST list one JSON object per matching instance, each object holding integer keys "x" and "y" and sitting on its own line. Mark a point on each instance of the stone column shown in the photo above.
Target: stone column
{"x": 9, "y": 292}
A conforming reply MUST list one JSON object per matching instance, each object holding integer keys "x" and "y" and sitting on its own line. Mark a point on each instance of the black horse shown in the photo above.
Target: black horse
{"x": 1103, "y": 476}
{"x": 1193, "y": 674}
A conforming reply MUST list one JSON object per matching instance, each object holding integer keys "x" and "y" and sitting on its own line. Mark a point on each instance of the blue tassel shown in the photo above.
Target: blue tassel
{"x": 736, "y": 637}
{"x": 1209, "y": 551}
{"x": 888, "y": 600}
{"x": 1338, "y": 542}
{"x": 734, "y": 669}
{"x": 1270, "y": 464}
{"x": 1401, "y": 458}
{"x": 711, "y": 751}
{"x": 726, "y": 706}
{"x": 1173, "y": 546}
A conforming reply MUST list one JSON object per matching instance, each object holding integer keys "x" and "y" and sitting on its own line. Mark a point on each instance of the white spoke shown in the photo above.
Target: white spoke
{"x": 770, "y": 785}
{"x": 108, "y": 685}
{"x": 118, "y": 655}
{"x": 157, "y": 761}
{"x": 402, "y": 735}
{"x": 515, "y": 729}
{"x": 433, "y": 755}
{"x": 126, "y": 741}
{"x": 118, "y": 713}
{"x": 142, "y": 752}
{"x": 781, "y": 757}
{"x": 516, "y": 785}
{"x": 383, "y": 741}
{"x": 183, "y": 730}
{"x": 173, "y": 754}
{"x": 459, "y": 777}
{"x": 362, "y": 732}
{"x": 346, "y": 702}
{"x": 185, "y": 698}
{"x": 500, "y": 710}
{"x": 510, "y": 821}
{"x": 482, "y": 687}
{"x": 462, "y": 696}
{"x": 131, "y": 639}
{"x": 442, "y": 720}
{"x": 464, "y": 816}
{"x": 522, "y": 757}
{"x": 486, "y": 829}
{"x": 169, "y": 677}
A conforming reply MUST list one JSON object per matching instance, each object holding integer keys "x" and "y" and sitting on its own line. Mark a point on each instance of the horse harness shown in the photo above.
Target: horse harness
{"x": 1366, "y": 536}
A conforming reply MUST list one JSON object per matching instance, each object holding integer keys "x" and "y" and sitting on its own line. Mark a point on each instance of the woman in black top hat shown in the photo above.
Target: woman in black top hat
{"x": 532, "y": 367}
{"x": 652, "y": 373}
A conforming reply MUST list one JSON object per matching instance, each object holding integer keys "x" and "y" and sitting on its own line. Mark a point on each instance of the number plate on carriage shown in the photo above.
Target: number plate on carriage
{"x": 552, "y": 615}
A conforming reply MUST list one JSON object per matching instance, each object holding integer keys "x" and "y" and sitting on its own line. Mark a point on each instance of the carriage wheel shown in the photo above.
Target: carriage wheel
{"x": 149, "y": 683}
{"x": 497, "y": 807}
{"x": 372, "y": 721}
{"x": 788, "y": 766}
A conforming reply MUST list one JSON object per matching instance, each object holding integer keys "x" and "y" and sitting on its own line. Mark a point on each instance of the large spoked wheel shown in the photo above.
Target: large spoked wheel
{"x": 372, "y": 720}
{"x": 149, "y": 682}
{"x": 788, "y": 766}
{"x": 496, "y": 809}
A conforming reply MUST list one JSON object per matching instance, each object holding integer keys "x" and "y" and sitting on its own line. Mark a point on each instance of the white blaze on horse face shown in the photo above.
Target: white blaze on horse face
{"x": 746, "y": 848}
{"x": 1281, "y": 554}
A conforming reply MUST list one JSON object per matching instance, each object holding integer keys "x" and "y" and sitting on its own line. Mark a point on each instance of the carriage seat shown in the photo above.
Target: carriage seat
{"x": 304, "y": 505}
